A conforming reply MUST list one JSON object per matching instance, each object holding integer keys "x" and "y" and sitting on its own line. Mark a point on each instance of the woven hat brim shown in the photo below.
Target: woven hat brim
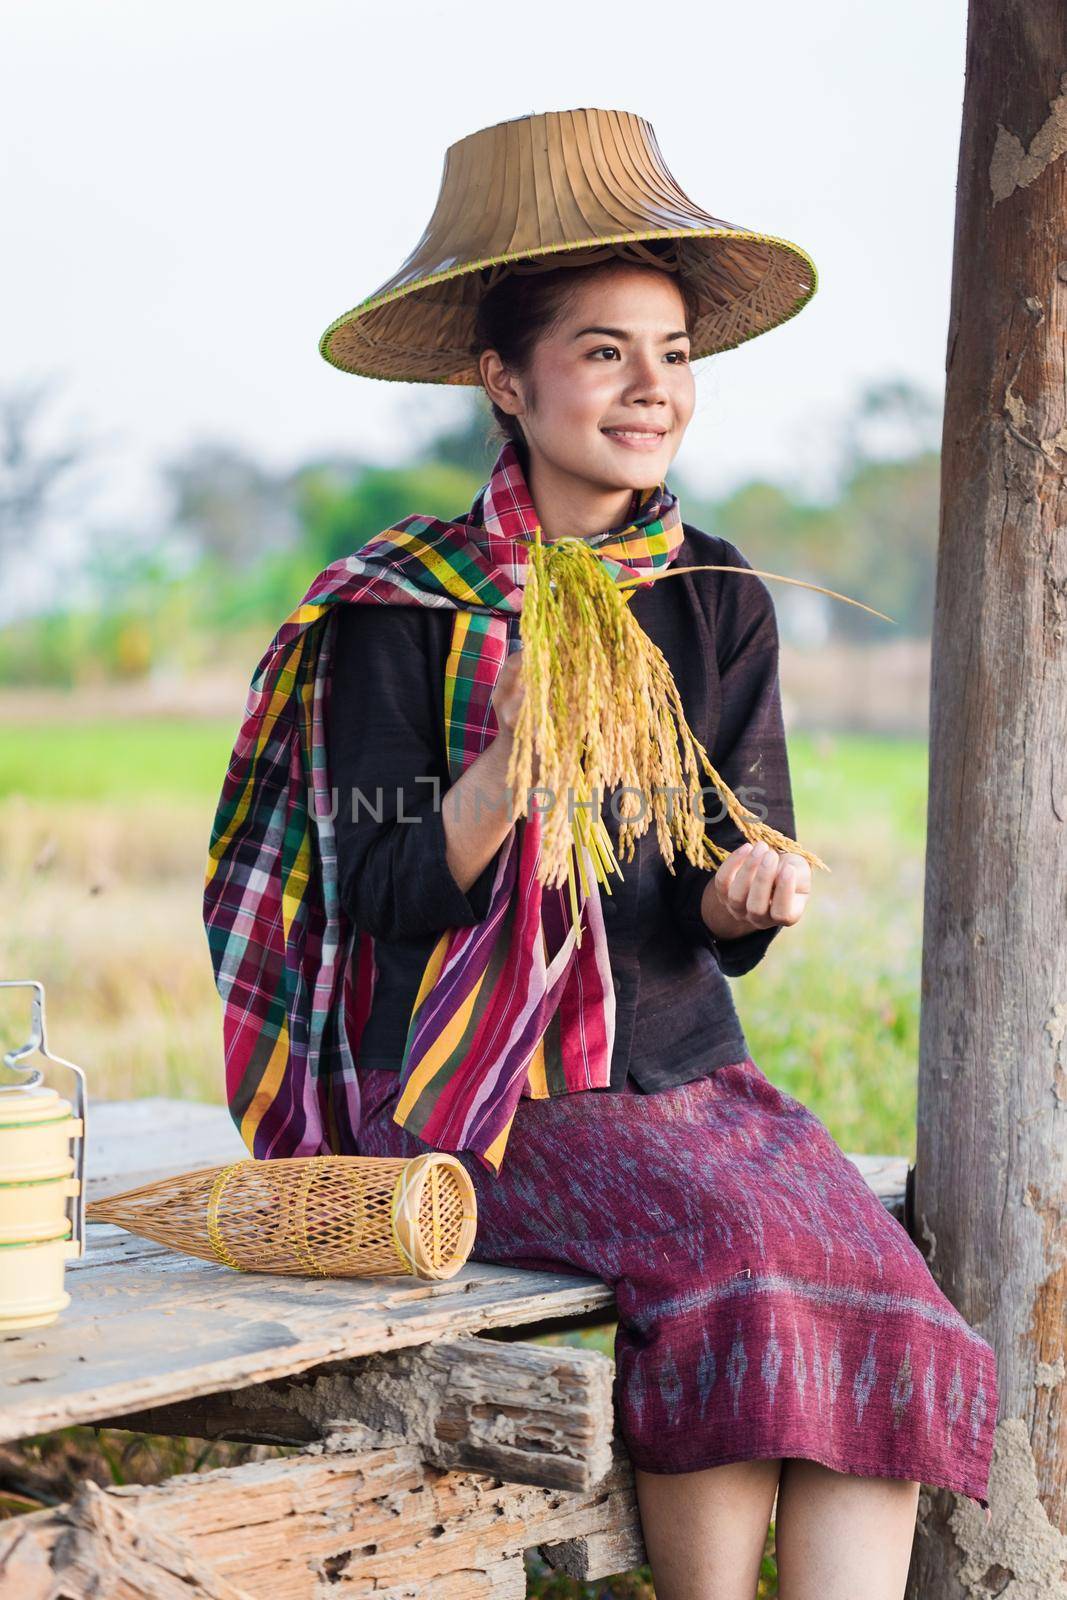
{"x": 745, "y": 283}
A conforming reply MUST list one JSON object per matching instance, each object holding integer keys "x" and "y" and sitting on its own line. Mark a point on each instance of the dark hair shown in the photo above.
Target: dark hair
{"x": 522, "y": 307}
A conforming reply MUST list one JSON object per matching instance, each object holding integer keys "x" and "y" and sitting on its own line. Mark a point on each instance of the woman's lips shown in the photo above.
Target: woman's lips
{"x": 630, "y": 441}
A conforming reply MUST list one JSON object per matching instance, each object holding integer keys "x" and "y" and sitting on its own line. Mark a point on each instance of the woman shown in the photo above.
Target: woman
{"x": 778, "y": 1330}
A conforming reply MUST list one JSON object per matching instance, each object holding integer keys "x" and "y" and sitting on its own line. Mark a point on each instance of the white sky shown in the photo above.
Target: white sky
{"x": 191, "y": 192}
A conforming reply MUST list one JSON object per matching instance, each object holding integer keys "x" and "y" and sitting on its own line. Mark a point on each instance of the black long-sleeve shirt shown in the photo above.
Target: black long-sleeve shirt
{"x": 675, "y": 1016}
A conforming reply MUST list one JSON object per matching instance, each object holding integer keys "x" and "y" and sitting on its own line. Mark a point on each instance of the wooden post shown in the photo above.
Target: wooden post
{"x": 991, "y": 1167}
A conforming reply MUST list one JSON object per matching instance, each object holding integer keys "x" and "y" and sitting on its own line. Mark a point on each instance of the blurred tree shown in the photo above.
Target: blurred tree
{"x": 242, "y": 542}
{"x": 894, "y": 420}
{"x": 336, "y": 516}
{"x": 887, "y": 554}
{"x": 882, "y": 545}
{"x": 32, "y": 475}
{"x": 229, "y": 506}
{"x": 469, "y": 445}
{"x": 777, "y": 532}
{"x": 875, "y": 541}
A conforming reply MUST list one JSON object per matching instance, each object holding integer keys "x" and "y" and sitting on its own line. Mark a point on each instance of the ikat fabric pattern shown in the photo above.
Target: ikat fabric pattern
{"x": 768, "y": 1304}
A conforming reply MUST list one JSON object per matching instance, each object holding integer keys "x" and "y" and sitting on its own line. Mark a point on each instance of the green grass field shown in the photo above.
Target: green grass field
{"x": 104, "y": 828}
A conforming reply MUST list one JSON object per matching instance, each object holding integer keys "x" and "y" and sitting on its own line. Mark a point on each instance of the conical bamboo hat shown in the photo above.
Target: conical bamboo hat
{"x": 577, "y": 185}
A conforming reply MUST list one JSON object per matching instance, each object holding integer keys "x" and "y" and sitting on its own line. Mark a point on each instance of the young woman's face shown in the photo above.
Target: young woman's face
{"x": 610, "y": 391}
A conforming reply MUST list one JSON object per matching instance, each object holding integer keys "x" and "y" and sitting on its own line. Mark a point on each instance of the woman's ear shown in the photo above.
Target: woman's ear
{"x": 499, "y": 384}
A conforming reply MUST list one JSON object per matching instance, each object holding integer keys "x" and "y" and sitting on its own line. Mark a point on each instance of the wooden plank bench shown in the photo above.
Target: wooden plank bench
{"x": 436, "y": 1442}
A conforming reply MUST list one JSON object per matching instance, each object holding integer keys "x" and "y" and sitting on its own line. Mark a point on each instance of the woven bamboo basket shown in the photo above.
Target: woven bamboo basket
{"x": 317, "y": 1216}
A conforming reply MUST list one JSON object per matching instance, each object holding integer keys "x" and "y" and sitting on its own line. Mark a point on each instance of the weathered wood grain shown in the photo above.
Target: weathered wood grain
{"x": 148, "y": 1326}
{"x": 526, "y": 1413}
{"x": 599, "y": 1555}
{"x": 137, "y": 1141}
{"x": 100, "y": 1545}
{"x": 991, "y": 1189}
{"x": 379, "y": 1523}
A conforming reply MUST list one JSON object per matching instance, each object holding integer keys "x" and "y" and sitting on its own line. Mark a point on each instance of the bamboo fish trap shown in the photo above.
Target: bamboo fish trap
{"x": 311, "y": 1216}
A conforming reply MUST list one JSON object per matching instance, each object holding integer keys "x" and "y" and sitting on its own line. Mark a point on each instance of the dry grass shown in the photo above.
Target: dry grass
{"x": 107, "y": 915}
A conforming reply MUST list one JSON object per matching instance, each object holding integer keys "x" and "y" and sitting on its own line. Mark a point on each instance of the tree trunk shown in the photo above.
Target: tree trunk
{"x": 991, "y": 1166}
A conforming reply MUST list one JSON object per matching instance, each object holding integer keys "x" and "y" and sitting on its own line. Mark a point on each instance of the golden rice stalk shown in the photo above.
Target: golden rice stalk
{"x": 600, "y": 709}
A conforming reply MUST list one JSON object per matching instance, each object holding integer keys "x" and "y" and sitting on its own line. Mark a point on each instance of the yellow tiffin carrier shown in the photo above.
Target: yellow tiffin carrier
{"x": 321, "y": 1216}
{"x": 37, "y": 1180}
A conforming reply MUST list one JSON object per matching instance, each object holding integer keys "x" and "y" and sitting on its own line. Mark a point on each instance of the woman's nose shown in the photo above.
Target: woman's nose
{"x": 647, "y": 378}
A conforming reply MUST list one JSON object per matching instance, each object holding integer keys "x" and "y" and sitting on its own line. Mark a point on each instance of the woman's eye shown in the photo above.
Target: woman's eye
{"x": 681, "y": 355}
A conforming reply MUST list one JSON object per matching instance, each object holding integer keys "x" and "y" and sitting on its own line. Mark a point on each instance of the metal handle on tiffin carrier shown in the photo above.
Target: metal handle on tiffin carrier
{"x": 37, "y": 1043}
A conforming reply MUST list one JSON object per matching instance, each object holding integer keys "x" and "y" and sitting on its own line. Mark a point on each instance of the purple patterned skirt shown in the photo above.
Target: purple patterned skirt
{"x": 768, "y": 1304}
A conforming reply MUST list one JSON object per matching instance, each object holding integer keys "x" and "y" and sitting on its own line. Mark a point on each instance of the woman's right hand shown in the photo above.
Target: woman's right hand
{"x": 508, "y": 695}
{"x": 507, "y": 701}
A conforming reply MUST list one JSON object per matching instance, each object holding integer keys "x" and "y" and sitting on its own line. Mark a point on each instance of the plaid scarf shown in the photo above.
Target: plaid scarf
{"x": 509, "y": 1007}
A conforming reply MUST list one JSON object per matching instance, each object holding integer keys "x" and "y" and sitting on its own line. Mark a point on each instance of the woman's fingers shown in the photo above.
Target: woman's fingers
{"x": 791, "y": 888}
{"x": 508, "y": 693}
{"x": 764, "y": 886}
{"x": 732, "y": 887}
{"x": 748, "y": 877}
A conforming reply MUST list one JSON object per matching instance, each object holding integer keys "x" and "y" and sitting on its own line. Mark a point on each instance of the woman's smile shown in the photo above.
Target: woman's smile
{"x": 635, "y": 439}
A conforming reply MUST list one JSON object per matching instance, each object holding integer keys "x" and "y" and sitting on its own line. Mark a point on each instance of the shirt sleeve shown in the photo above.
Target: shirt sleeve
{"x": 748, "y": 752}
{"x": 384, "y": 747}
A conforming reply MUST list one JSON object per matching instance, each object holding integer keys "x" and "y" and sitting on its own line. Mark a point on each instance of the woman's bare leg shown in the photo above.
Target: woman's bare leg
{"x": 705, "y": 1532}
{"x": 837, "y": 1535}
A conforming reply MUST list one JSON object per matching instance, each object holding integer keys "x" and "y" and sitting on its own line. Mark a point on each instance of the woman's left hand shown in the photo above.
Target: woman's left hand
{"x": 757, "y": 887}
